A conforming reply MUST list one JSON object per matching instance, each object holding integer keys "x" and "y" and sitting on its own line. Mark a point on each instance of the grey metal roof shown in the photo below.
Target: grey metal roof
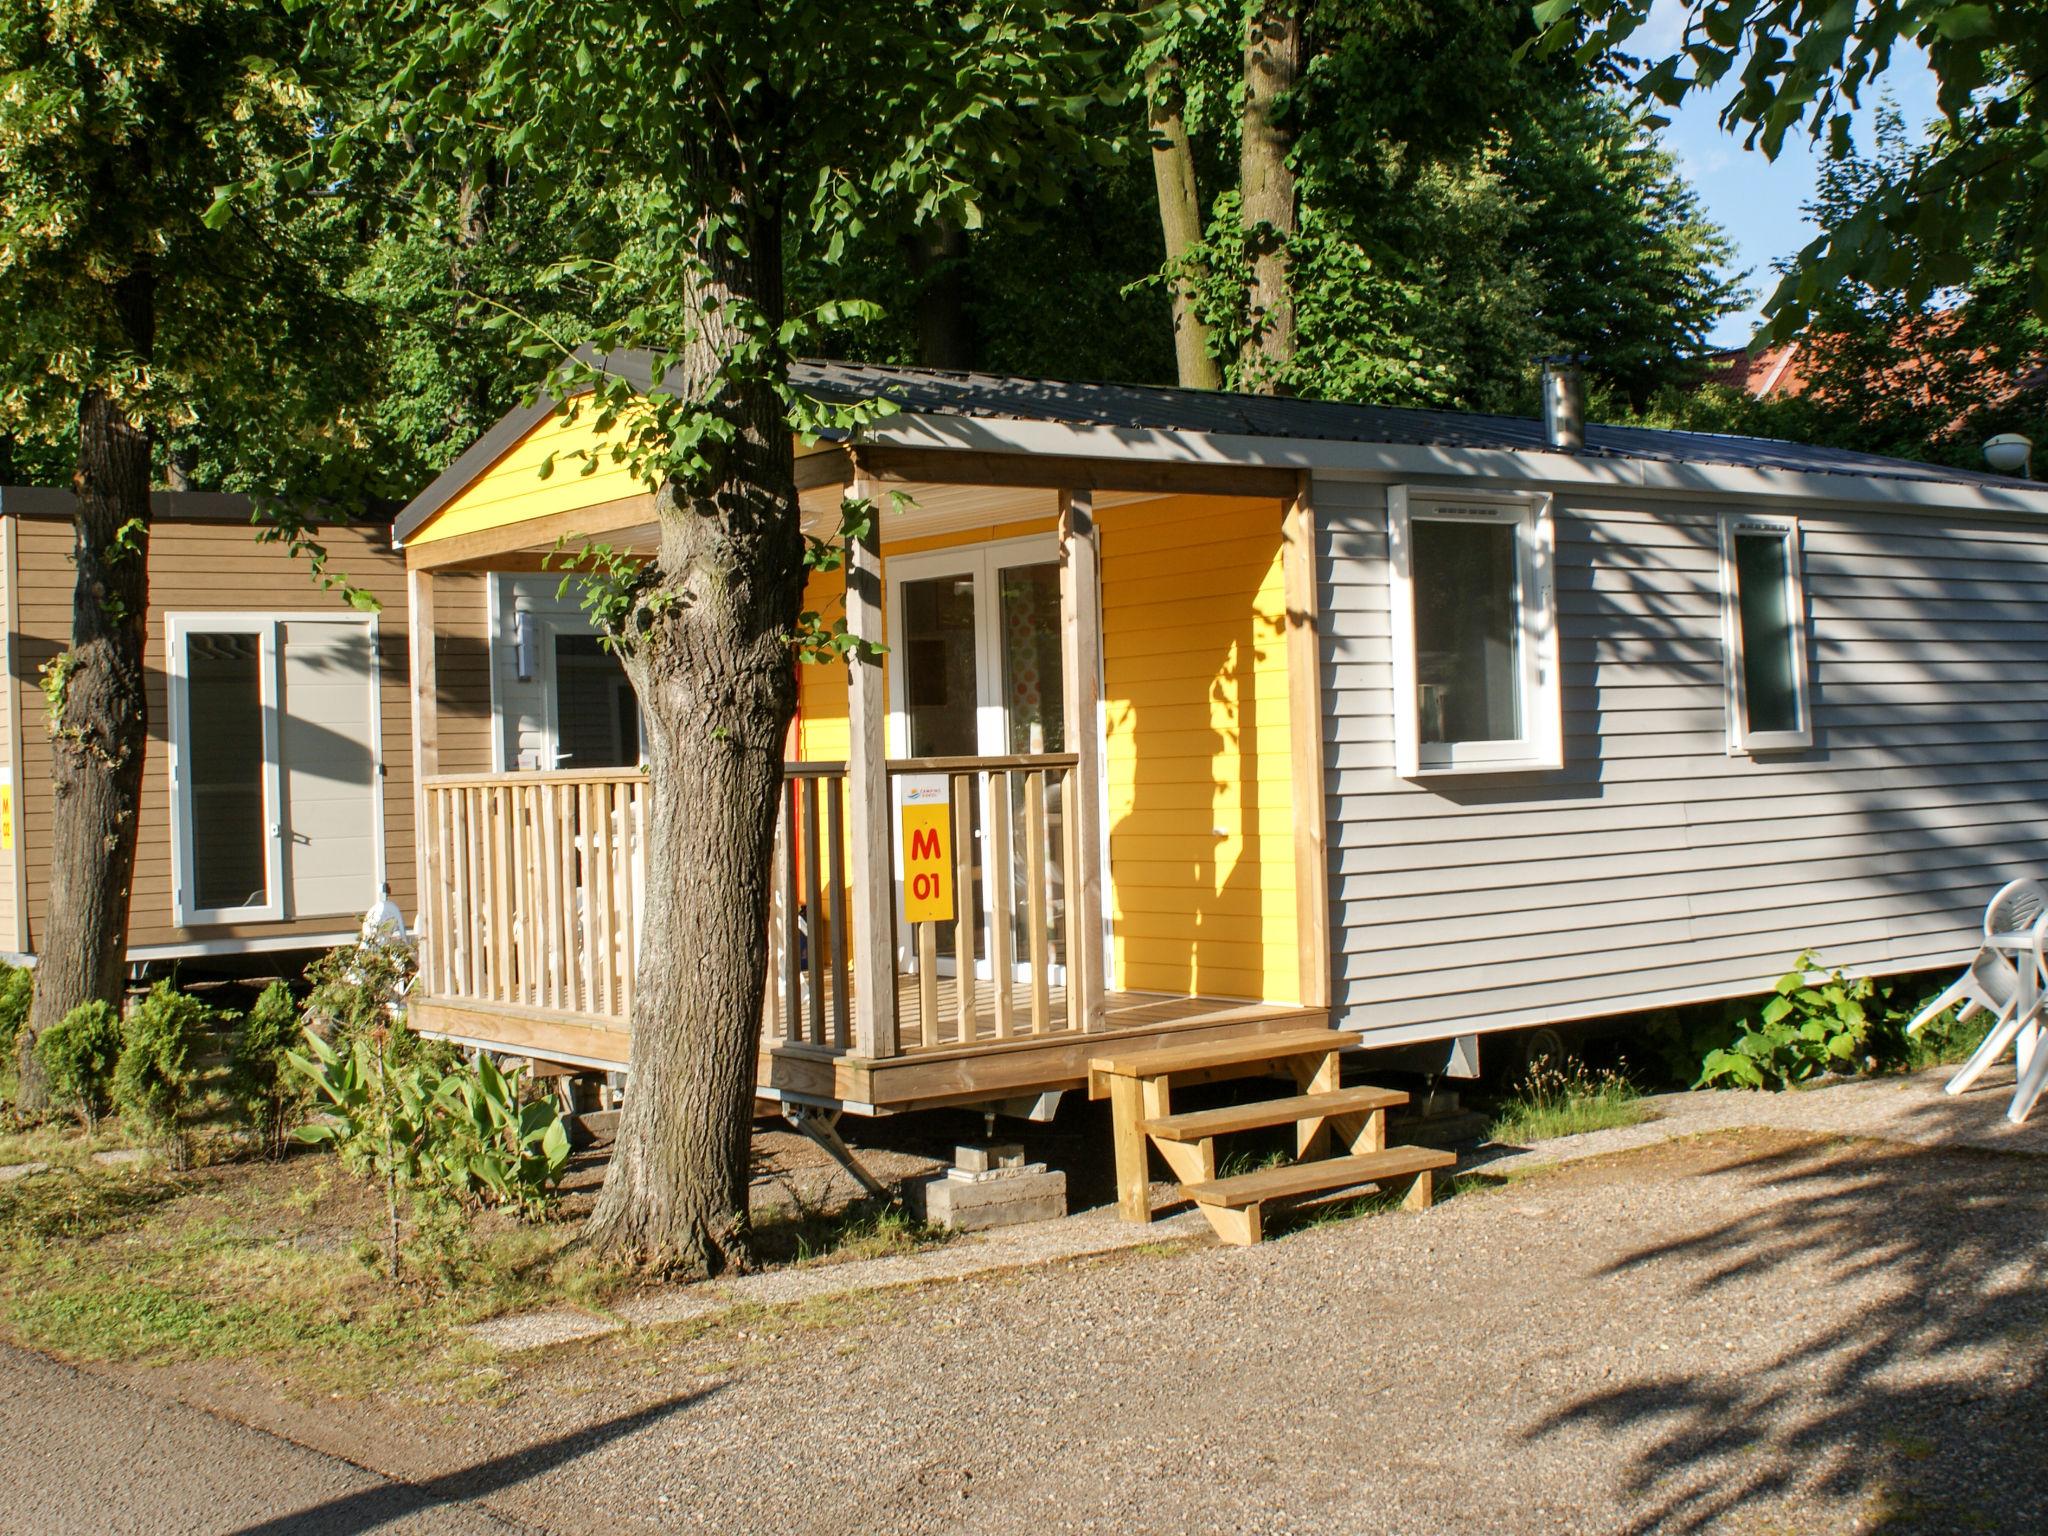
{"x": 939, "y": 392}
{"x": 1145, "y": 407}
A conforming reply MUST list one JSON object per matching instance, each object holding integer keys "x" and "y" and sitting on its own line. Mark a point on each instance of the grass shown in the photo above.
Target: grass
{"x": 804, "y": 1233}
{"x": 1553, "y": 1101}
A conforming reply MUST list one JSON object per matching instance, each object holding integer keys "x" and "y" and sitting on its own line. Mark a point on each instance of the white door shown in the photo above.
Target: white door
{"x": 327, "y": 727}
{"x": 975, "y": 671}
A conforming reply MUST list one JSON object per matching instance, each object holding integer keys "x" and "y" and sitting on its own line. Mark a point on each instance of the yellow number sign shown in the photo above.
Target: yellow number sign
{"x": 6, "y": 815}
{"x": 927, "y": 816}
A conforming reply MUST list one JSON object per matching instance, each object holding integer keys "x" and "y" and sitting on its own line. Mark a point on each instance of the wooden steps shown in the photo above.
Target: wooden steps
{"x": 1198, "y": 1125}
{"x": 1236, "y": 1206}
{"x": 1139, "y": 1085}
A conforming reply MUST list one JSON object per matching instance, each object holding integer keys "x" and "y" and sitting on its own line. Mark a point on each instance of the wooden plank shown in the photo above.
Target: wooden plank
{"x": 527, "y": 866}
{"x": 835, "y": 839}
{"x": 874, "y": 889}
{"x": 1305, "y": 731}
{"x": 1000, "y": 875}
{"x": 1291, "y": 1180}
{"x": 587, "y": 934}
{"x": 573, "y": 999}
{"x": 814, "y": 906}
{"x": 629, "y": 793}
{"x": 1081, "y": 660}
{"x": 965, "y": 1001}
{"x": 1231, "y": 1118}
{"x": 426, "y": 744}
{"x": 1040, "y": 960}
{"x": 928, "y": 983}
{"x": 947, "y": 466}
{"x": 1128, "y": 1113}
{"x": 791, "y": 949}
{"x": 1228, "y": 1053}
{"x": 535, "y": 536}
{"x": 1075, "y": 911}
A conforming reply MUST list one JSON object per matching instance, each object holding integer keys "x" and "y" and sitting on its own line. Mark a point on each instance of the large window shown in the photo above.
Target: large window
{"x": 1763, "y": 607}
{"x": 275, "y": 804}
{"x": 1475, "y": 644}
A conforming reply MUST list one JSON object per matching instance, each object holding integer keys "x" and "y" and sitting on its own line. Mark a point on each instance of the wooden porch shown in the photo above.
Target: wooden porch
{"x": 533, "y": 880}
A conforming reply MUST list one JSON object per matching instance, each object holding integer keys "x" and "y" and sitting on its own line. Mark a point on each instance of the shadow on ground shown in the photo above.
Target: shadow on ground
{"x": 1928, "y": 1411}
{"x": 389, "y": 1503}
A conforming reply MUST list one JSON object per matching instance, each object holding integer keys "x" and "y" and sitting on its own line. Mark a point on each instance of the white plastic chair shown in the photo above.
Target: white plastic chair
{"x": 1990, "y": 980}
{"x": 2020, "y": 1013}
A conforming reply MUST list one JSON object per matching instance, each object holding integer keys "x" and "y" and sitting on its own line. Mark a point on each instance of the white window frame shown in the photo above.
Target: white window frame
{"x": 268, "y": 626}
{"x": 1540, "y": 747}
{"x": 1742, "y": 741}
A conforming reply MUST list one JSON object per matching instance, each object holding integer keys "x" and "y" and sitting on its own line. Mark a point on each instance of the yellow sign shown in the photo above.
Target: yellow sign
{"x": 6, "y": 816}
{"x": 927, "y": 814}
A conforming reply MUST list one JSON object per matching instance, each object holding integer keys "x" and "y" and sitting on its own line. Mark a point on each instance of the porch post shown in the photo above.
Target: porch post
{"x": 426, "y": 762}
{"x": 1305, "y": 729}
{"x": 1081, "y": 664}
{"x": 867, "y": 792}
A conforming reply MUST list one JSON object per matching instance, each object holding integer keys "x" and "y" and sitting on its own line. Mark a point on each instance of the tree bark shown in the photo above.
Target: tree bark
{"x": 1273, "y": 52}
{"x": 711, "y": 664}
{"x": 937, "y": 253}
{"x": 99, "y": 722}
{"x": 1180, "y": 225}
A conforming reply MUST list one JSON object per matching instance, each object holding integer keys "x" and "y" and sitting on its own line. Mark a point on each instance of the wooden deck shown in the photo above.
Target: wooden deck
{"x": 987, "y": 1067}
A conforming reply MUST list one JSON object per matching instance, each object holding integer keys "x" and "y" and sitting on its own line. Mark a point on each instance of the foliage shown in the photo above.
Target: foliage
{"x": 229, "y": 341}
{"x": 17, "y": 986}
{"x": 1566, "y": 1099}
{"x": 271, "y": 1094}
{"x": 157, "y": 1074}
{"x": 1802, "y": 66}
{"x": 79, "y": 1052}
{"x": 357, "y": 991}
{"x": 1460, "y": 211}
{"x": 1813, "y": 1022}
{"x": 460, "y": 1129}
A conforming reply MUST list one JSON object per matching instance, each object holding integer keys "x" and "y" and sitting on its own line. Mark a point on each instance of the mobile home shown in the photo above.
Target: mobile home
{"x": 1248, "y": 716}
{"x": 277, "y": 788}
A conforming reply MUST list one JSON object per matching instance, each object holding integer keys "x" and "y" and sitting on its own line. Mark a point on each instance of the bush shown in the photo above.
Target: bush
{"x": 357, "y": 992}
{"x": 158, "y": 1070}
{"x": 79, "y": 1053}
{"x": 17, "y": 987}
{"x": 271, "y": 1094}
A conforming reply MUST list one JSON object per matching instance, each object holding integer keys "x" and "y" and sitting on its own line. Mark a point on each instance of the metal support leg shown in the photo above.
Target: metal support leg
{"x": 822, "y": 1126}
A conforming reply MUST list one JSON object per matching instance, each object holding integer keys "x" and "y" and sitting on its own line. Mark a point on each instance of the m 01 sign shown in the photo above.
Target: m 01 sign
{"x": 926, "y": 820}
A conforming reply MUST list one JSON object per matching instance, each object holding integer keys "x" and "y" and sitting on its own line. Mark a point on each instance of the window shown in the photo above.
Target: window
{"x": 1474, "y": 631}
{"x": 1763, "y": 613}
{"x": 275, "y": 802}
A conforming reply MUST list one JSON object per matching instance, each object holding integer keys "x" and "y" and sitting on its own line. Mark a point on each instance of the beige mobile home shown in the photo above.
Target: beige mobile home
{"x": 277, "y": 789}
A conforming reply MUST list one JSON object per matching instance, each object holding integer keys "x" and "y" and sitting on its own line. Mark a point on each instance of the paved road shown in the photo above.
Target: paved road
{"x": 83, "y": 1454}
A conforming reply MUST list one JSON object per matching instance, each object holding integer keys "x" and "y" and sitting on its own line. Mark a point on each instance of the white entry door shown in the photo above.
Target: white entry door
{"x": 975, "y": 671}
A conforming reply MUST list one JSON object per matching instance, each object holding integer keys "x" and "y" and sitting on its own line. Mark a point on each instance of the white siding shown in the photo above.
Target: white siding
{"x": 1655, "y": 868}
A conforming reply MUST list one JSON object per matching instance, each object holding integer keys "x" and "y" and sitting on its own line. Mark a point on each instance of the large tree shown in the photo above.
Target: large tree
{"x": 130, "y": 324}
{"x": 729, "y": 141}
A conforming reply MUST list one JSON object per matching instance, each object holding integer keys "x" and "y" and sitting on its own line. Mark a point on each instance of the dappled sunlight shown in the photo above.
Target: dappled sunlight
{"x": 1900, "y": 1406}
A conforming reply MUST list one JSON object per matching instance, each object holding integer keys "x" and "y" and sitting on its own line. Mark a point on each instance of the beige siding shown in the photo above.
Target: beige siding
{"x": 462, "y": 667}
{"x": 196, "y": 567}
{"x": 1655, "y": 867}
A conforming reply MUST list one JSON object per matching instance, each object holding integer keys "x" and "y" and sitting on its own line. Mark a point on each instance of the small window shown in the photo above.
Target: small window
{"x": 1475, "y": 633}
{"x": 1763, "y": 608}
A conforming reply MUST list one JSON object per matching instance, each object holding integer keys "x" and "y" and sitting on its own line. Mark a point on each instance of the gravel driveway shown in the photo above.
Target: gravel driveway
{"x": 1760, "y": 1329}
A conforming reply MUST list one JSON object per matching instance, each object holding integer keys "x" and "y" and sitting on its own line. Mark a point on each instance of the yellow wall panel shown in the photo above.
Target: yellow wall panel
{"x": 513, "y": 490}
{"x": 1201, "y": 841}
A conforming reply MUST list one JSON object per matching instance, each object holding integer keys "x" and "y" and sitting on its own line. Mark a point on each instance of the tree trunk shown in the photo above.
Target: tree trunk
{"x": 1272, "y": 67}
{"x": 98, "y": 726}
{"x": 712, "y": 666}
{"x": 1180, "y": 223}
{"x": 937, "y": 253}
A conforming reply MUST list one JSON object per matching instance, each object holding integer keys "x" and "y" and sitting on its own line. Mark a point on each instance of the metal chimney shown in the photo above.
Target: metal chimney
{"x": 1564, "y": 404}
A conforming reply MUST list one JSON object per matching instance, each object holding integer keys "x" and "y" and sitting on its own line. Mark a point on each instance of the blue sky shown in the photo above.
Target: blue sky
{"x": 1758, "y": 201}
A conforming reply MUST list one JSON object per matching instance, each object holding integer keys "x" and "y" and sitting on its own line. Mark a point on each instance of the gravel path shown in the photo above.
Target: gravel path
{"x": 1727, "y": 1329}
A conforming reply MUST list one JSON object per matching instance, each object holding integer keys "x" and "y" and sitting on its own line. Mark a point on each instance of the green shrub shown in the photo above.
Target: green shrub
{"x": 157, "y": 1076}
{"x": 1814, "y": 1022}
{"x": 79, "y": 1052}
{"x": 271, "y": 1094}
{"x": 17, "y": 988}
{"x": 354, "y": 994}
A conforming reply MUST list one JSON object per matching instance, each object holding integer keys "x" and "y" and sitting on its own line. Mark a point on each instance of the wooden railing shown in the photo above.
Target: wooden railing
{"x": 536, "y": 889}
{"x": 535, "y": 900}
